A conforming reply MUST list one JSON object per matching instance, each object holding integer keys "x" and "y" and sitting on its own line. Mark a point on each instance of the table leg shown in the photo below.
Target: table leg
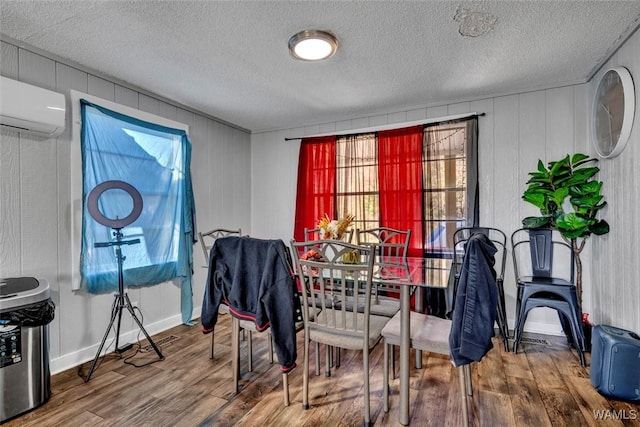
{"x": 420, "y": 299}
{"x": 405, "y": 309}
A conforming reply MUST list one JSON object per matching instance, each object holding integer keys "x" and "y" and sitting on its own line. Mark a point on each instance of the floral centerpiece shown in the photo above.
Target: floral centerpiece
{"x": 334, "y": 228}
{"x": 312, "y": 255}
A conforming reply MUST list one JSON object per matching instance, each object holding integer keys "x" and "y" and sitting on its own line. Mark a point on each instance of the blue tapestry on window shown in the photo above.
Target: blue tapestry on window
{"x": 155, "y": 160}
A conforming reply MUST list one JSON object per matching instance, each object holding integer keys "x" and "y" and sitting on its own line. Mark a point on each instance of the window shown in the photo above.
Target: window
{"x": 357, "y": 179}
{"x": 153, "y": 154}
{"x": 155, "y": 161}
{"x": 445, "y": 184}
{"x": 423, "y": 178}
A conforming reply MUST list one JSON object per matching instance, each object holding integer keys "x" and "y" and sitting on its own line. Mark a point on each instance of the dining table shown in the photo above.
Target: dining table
{"x": 410, "y": 274}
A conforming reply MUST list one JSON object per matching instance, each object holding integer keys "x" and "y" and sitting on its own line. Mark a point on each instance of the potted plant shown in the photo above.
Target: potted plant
{"x": 569, "y": 199}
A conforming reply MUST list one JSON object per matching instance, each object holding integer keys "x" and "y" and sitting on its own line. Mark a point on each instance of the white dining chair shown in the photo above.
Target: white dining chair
{"x": 207, "y": 239}
{"x": 427, "y": 333}
{"x": 342, "y": 293}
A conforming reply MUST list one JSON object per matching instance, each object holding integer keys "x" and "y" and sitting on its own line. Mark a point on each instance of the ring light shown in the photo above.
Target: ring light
{"x": 122, "y": 300}
{"x": 94, "y": 196}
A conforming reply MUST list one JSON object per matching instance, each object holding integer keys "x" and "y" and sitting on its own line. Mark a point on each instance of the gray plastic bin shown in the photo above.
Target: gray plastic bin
{"x": 26, "y": 310}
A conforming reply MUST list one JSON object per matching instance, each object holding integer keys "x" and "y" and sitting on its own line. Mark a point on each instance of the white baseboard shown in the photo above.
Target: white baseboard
{"x": 543, "y": 328}
{"x": 81, "y": 356}
{"x": 86, "y": 354}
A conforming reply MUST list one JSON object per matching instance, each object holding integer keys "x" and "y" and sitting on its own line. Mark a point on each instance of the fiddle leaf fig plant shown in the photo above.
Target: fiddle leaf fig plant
{"x": 569, "y": 199}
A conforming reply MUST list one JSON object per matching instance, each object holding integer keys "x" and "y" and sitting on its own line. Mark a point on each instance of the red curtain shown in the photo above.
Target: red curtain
{"x": 400, "y": 183}
{"x": 316, "y": 183}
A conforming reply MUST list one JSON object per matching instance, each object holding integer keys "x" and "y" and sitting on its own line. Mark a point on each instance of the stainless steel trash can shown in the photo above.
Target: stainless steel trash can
{"x": 26, "y": 310}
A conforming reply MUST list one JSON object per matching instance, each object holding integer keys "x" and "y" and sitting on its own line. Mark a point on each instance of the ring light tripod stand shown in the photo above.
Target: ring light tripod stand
{"x": 121, "y": 298}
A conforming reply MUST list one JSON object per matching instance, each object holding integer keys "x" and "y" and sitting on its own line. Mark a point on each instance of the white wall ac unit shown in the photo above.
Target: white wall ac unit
{"x": 31, "y": 109}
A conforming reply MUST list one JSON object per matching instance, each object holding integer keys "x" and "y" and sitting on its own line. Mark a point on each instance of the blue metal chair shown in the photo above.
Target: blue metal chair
{"x": 544, "y": 268}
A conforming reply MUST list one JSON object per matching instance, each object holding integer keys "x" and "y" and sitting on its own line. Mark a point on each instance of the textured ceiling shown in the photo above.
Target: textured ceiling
{"x": 230, "y": 59}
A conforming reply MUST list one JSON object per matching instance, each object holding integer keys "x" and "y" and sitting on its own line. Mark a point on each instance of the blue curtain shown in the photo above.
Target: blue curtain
{"x": 155, "y": 160}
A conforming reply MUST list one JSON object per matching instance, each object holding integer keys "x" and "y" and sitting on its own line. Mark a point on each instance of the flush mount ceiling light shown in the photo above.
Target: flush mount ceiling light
{"x": 313, "y": 45}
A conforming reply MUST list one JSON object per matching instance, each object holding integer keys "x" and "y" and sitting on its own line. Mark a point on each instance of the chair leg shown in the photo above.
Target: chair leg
{"x": 521, "y": 321}
{"x": 579, "y": 349}
{"x": 573, "y": 320}
{"x": 576, "y": 333}
{"x": 211, "y": 346}
{"x": 467, "y": 372}
{"x": 521, "y": 318}
{"x": 567, "y": 328}
{"x": 270, "y": 348}
{"x": 327, "y": 361}
{"x": 516, "y": 326}
{"x": 285, "y": 388}
{"x": 385, "y": 378}
{"x": 418, "y": 359}
{"x": 235, "y": 353}
{"x": 463, "y": 394}
{"x": 331, "y": 354}
{"x": 250, "y": 350}
{"x": 393, "y": 362}
{"x": 502, "y": 317}
{"x": 367, "y": 400}
{"x": 334, "y": 356}
{"x": 305, "y": 374}
{"x": 317, "y": 359}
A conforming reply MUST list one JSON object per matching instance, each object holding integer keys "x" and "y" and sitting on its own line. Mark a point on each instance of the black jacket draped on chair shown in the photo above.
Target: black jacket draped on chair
{"x": 475, "y": 303}
{"x": 254, "y": 277}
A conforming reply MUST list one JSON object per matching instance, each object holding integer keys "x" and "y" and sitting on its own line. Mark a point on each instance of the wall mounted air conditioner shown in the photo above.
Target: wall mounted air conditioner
{"x": 31, "y": 109}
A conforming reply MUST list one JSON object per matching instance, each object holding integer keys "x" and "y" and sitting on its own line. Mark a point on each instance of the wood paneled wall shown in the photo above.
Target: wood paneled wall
{"x": 35, "y": 204}
{"x": 614, "y": 264}
{"x": 516, "y": 131}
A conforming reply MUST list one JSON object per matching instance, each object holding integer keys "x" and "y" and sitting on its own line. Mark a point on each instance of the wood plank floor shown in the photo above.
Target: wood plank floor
{"x": 544, "y": 385}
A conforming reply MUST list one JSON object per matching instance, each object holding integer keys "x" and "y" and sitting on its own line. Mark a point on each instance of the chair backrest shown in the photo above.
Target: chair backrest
{"x": 341, "y": 292}
{"x": 311, "y": 234}
{"x": 314, "y": 234}
{"x": 208, "y": 238}
{"x": 389, "y": 241}
{"x": 499, "y": 239}
{"x": 541, "y": 253}
{"x": 541, "y": 248}
{"x": 392, "y": 247}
